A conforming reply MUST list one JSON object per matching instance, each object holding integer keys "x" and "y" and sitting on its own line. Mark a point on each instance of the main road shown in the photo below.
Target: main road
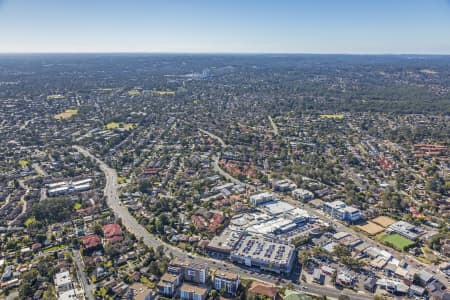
{"x": 112, "y": 200}
{"x": 88, "y": 288}
{"x": 150, "y": 240}
{"x": 212, "y": 135}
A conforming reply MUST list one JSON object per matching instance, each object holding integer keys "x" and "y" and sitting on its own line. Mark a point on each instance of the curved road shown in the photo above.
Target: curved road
{"x": 212, "y": 135}
{"x": 227, "y": 176}
{"x": 139, "y": 231}
{"x": 22, "y": 199}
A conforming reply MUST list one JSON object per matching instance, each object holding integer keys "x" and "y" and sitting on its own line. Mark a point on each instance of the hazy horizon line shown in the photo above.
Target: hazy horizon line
{"x": 230, "y": 53}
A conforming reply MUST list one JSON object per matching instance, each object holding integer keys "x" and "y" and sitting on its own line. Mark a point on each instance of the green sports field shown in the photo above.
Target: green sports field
{"x": 398, "y": 241}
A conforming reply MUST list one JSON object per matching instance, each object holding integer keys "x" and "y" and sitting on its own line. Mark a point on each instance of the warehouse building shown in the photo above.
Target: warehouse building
{"x": 68, "y": 187}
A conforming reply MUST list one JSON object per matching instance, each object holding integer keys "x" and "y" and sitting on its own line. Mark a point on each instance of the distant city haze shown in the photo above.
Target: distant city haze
{"x": 231, "y": 26}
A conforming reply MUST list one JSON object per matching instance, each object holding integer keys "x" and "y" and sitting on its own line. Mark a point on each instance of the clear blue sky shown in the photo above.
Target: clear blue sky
{"x": 301, "y": 26}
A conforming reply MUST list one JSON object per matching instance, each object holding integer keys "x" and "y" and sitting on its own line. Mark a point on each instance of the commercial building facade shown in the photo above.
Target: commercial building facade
{"x": 341, "y": 211}
{"x": 168, "y": 283}
{"x": 261, "y": 198}
{"x": 189, "y": 270}
{"x": 302, "y": 195}
{"x": 193, "y": 292}
{"x": 227, "y": 281}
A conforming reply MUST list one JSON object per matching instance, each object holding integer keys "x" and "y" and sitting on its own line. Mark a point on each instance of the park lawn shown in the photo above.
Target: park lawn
{"x": 121, "y": 180}
{"x": 128, "y": 126}
{"x": 67, "y": 114}
{"x": 163, "y": 93}
{"x": 55, "y": 97}
{"x": 23, "y": 163}
{"x": 399, "y": 242}
{"x": 115, "y": 125}
{"x": 112, "y": 125}
{"x": 134, "y": 93}
{"x": 333, "y": 116}
{"x": 77, "y": 206}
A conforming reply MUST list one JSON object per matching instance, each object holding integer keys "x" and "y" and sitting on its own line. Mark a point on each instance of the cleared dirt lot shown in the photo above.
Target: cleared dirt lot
{"x": 383, "y": 221}
{"x": 371, "y": 228}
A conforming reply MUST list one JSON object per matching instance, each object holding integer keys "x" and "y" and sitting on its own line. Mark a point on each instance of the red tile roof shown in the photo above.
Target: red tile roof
{"x": 151, "y": 171}
{"x": 214, "y": 222}
{"x": 199, "y": 222}
{"x": 91, "y": 241}
{"x": 112, "y": 230}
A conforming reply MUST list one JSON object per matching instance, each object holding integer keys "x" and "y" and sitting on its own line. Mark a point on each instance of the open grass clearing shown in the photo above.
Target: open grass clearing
{"x": 117, "y": 125}
{"x": 67, "y": 114}
{"x": 163, "y": 93}
{"x": 134, "y": 93}
{"x": 56, "y": 97}
{"x": 399, "y": 242}
{"x": 332, "y": 116}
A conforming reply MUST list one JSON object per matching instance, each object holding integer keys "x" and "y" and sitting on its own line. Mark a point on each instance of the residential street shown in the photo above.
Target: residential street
{"x": 274, "y": 126}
